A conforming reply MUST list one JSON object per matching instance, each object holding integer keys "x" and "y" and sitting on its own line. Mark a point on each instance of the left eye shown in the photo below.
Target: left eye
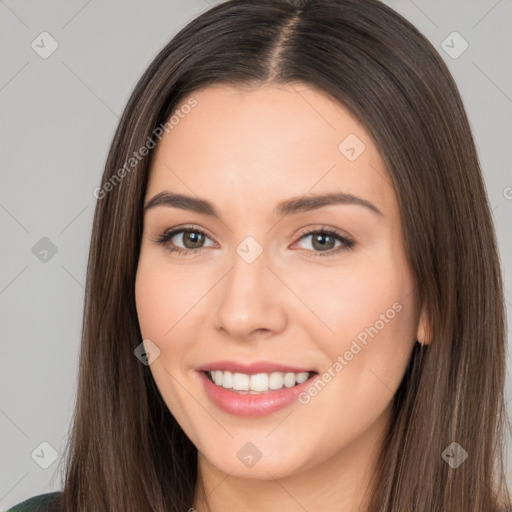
{"x": 324, "y": 241}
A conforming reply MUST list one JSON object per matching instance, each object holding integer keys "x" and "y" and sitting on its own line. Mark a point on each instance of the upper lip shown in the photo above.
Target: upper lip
{"x": 251, "y": 368}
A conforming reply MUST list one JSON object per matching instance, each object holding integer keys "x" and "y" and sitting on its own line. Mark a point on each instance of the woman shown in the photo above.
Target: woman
{"x": 294, "y": 298}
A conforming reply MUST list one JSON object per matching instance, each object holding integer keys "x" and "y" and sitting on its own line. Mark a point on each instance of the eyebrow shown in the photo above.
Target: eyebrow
{"x": 289, "y": 207}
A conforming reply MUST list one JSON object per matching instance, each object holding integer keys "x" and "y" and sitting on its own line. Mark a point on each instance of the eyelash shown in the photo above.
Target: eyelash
{"x": 346, "y": 242}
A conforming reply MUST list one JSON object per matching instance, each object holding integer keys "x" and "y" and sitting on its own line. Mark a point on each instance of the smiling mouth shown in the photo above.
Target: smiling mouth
{"x": 257, "y": 383}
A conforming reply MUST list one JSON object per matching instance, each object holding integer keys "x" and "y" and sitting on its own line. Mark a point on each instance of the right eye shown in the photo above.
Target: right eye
{"x": 192, "y": 240}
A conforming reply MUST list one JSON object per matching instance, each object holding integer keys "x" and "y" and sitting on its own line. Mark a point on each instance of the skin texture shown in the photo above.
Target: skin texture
{"x": 245, "y": 151}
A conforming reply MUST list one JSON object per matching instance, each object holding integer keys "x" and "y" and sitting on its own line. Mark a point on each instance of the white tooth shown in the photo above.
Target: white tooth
{"x": 302, "y": 377}
{"x": 240, "y": 382}
{"x": 217, "y": 377}
{"x": 289, "y": 380}
{"x": 227, "y": 380}
{"x": 259, "y": 382}
{"x": 275, "y": 380}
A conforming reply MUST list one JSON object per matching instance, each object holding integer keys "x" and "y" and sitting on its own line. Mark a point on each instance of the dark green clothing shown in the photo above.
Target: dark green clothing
{"x": 41, "y": 503}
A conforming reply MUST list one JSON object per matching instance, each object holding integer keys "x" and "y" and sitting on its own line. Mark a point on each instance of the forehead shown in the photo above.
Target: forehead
{"x": 250, "y": 148}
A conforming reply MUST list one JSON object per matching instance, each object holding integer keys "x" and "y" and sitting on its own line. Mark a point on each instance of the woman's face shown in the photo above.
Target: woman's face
{"x": 257, "y": 291}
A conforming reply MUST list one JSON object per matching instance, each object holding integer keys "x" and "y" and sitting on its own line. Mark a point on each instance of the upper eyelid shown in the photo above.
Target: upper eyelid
{"x": 335, "y": 231}
{"x": 180, "y": 229}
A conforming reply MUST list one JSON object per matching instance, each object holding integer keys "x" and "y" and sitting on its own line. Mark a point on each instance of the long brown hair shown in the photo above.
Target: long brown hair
{"x": 126, "y": 451}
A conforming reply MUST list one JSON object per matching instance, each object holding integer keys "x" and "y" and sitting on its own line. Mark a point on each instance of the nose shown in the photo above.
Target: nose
{"x": 252, "y": 302}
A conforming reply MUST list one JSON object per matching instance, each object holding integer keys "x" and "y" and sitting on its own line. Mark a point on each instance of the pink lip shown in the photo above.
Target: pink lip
{"x": 252, "y": 405}
{"x": 252, "y": 368}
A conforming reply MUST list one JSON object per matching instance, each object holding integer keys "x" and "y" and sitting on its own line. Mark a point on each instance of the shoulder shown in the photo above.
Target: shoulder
{"x": 48, "y": 502}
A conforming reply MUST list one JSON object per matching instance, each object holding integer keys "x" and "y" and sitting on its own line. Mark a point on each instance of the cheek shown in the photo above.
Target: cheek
{"x": 371, "y": 318}
{"x": 165, "y": 300}
{"x": 367, "y": 300}
{"x": 155, "y": 303}
{"x": 368, "y": 323}
{"x": 165, "y": 310}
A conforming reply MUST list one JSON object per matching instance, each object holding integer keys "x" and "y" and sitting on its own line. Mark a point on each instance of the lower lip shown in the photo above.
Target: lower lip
{"x": 246, "y": 404}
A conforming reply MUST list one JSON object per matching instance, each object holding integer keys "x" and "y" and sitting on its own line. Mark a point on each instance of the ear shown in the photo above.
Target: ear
{"x": 423, "y": 331}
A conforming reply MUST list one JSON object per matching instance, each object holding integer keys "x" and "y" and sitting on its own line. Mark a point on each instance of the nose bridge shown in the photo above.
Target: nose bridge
{"x": 248, "y": 300}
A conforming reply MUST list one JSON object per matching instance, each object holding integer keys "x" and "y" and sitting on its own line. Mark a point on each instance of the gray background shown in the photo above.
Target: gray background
{"x": 58, "y": 116}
